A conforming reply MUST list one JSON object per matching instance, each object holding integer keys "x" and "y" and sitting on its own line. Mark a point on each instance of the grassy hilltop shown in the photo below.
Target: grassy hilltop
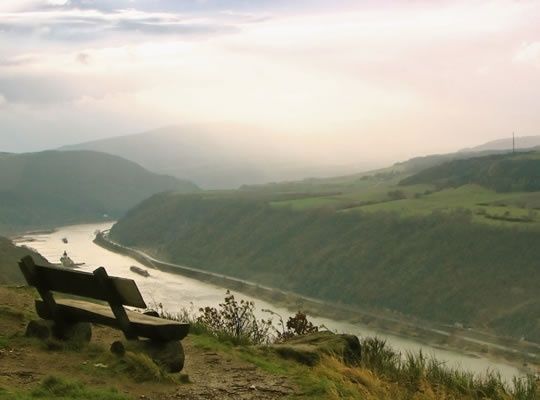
{"x": 219, "y": 367}
{"x": 443, "y": 254}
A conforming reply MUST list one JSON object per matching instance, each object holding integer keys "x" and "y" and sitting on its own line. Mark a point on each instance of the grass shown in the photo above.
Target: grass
{"x": 142, "y": 368}
{"x": 10, "y": 312}
{"x": 382, "y": 374}
{"x": 486, "y": 205}
{"x": 263, "y": 357}
{"x": 59, "y": 388}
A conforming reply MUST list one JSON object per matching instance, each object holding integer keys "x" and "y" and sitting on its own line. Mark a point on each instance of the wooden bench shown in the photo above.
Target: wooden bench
{"x": 117, "y": 292}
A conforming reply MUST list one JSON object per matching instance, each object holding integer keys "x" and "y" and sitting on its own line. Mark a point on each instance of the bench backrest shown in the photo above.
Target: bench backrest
{"x": 79, "y": 283}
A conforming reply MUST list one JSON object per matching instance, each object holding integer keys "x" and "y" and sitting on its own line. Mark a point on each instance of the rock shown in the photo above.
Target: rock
{"x": 118, "y": 348}
{"x": 44, "y": 329}
{"x": 78, "y": 332}
{"x": 308, "y": 349}
{"x": 169, "y": 355}
{"x": 40, "y": 329}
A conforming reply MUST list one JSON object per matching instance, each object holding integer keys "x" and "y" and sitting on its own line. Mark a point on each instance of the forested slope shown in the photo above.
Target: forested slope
{"x": 503, "y": 173}
{"x": 442, "y": 267}
{"x": 51, "y": 188}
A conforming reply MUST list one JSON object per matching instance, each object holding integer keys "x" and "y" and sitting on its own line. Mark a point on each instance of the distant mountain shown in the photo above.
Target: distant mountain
{"x": 9, "y": 256}
{"x": 53, "y": 187}
{"x": 522, "y": 142}
{"x": 214, "y": 157}
{"x": 500, "y": 172}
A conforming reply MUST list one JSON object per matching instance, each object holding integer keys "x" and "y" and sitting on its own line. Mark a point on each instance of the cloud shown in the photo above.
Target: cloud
{"x": 16, "y": 61}
{"x": 405, "y": 77}
{"x": 83, "y": 58}
{"x": 528, "y": 53}
{"x": 3, "y": 100}
{"x": 58, "y": 2}
{"x": 74, "y": 25}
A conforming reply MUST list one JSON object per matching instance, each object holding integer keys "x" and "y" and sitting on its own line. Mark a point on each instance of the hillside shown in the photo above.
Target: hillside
{"x": 51, "y": 188}
{"x": 9, "y": 256}
{"x": 521, "y": 142}
{"x": 355, "y": 182}
{"x": 218, "y": 369}
{"x": 441, "y": 267}
{"x": 215, "y": 157}
{"x": 503, "y": 173}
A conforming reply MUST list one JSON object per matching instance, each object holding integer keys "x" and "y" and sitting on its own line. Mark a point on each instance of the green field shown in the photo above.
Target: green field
{"x": 486, "y": 205}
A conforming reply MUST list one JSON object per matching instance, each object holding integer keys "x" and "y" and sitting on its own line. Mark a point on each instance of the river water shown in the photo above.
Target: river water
{"x": 176, "y": 292}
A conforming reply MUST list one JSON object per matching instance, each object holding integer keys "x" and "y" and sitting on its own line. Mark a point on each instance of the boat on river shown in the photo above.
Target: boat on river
{"x": 67, "y": 262}
{"x": 139, "y": 271}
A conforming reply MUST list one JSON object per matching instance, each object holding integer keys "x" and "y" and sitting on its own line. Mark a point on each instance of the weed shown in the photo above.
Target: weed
{"x": 236, "y": 322}
{"x": 142, "y": 368}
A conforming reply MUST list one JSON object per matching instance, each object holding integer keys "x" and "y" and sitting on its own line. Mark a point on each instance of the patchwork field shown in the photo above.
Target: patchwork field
{"x": 515, "y": 209}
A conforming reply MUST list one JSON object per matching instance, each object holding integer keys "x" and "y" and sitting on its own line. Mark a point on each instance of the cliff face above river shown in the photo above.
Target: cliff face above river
{"x": 440, "y": 267}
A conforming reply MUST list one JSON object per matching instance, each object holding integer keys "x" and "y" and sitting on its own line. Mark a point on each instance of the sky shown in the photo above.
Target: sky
{"x": 347, "y": 80}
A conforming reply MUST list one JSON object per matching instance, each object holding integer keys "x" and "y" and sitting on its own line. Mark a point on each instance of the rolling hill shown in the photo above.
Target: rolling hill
{"x": 50, "y": 188}
{"x": 389, "y": 175}
{"x": 521, "y": 142}
{"x": 223, "y": 157}
{"x": 438, "y": 237}
{"x": 442, "y": 267}
{"x": 518, "y": 172}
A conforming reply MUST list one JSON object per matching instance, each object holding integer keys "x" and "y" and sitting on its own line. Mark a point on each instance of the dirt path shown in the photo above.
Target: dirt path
{"x": 212, "y": 375}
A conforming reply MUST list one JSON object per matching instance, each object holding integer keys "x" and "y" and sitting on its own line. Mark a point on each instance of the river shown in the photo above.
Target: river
{"x": 176, "y": 292}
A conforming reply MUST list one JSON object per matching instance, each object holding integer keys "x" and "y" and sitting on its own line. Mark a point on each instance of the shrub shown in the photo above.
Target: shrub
{"x": 236, "y": 322}
{"x": 296, "y": 325}
{"x": 396, "y": 195}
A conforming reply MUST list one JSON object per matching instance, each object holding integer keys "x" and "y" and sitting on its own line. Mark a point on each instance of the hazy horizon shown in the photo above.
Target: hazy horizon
{"x": 335, "y": 81}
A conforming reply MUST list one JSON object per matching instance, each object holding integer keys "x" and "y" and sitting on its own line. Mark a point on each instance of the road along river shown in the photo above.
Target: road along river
{"x": 176, "y": 292}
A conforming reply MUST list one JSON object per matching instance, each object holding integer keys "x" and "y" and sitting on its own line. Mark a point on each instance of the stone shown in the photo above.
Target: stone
{"x": 309, "y": 349}
{"x": 77, "y": 332}
{"x": 40, "y": 329}
{"x": 118, "y": 348}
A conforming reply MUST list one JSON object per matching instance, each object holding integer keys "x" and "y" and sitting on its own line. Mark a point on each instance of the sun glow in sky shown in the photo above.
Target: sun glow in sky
{"x": 342, "y": 80}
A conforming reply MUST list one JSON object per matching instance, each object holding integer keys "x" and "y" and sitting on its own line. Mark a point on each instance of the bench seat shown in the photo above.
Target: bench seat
{"x": 143, "y": 325}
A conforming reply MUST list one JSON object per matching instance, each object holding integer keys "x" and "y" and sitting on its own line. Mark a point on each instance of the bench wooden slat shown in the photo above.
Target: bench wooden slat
{"x": 85, "y": 284}
{"x": 143, "y": 325}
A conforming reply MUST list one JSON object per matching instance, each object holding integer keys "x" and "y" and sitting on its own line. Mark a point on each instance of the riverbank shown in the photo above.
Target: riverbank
{"x": 523, "y": 355}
